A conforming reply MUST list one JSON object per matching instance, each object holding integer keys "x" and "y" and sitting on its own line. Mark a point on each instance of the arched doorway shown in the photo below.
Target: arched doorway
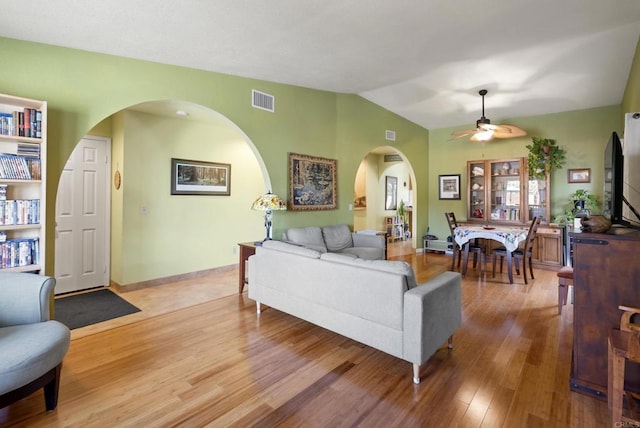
{"x": 155, "y": 234}
{"x": 371, "y": 191}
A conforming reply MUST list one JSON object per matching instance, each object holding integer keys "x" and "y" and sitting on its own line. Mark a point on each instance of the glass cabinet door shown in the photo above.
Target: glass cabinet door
{"x": 506, "y": 190}
{"x": 477, "y": 194}
{"x": 538, "y": 199}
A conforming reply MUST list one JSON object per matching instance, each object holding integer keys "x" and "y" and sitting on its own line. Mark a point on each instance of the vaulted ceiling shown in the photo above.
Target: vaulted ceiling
{"x": 425, "y": 60}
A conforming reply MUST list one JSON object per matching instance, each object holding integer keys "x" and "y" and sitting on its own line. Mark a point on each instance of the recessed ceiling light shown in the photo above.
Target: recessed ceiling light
{"x": 182, "y": 113}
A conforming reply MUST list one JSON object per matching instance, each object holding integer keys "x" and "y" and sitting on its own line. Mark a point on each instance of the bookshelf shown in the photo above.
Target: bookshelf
{"x": 394, "y": 226}
{"x": 23, "y": 144}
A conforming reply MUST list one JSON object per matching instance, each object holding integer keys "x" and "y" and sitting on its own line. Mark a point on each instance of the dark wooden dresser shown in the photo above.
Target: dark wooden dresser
{"x": 606, "y": 275}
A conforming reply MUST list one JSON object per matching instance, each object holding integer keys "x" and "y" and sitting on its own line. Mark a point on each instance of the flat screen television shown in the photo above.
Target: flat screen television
{"x": 613, "y": 180}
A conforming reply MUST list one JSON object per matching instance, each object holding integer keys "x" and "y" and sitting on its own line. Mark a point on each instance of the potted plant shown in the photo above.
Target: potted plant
{"x": 544, "y": 157}
{"x": 402, "y": 214}
{"x": 581, "y": 203}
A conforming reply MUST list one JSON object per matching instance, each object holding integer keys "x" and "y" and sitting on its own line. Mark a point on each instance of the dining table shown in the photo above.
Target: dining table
{"x": 508, "y": 235}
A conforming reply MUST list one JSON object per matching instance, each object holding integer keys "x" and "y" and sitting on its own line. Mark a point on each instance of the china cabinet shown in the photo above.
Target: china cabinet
{"x": 500, "y": 191}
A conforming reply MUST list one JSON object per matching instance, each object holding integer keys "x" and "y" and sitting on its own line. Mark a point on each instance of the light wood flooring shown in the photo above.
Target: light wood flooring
{"x": 197, "y": 355}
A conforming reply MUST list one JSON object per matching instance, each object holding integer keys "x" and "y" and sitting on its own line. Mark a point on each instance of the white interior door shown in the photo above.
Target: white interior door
{"x": 82, "y": 218}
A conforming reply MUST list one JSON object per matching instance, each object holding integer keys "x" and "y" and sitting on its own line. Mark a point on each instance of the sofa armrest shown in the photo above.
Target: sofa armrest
{"x": 366, "y": 240}
{"x": 432, "y": 312}
{"x": 24, "y": 298}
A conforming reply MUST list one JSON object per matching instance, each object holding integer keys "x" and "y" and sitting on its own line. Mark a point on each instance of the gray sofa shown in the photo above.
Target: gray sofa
{"x": 375, "y": 302}
{"x": 338, "y": 239}
{"x": 31, "y": 345}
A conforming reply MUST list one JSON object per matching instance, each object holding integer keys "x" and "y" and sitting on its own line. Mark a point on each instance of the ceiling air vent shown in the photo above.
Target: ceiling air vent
{"x": 390, "y": 135}
{"x": 263, "y": 101}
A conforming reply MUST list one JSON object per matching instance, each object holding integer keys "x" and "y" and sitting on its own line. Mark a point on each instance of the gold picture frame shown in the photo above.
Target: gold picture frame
{"x": 579, "y": 175}
{"x": 312, "y": 183}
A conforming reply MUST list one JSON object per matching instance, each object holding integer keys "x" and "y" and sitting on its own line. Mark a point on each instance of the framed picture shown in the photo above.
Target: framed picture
{"x": 449, "y": 186}
{"x": 582, "y": 175}
{"x": 391, "y": 194}
{"x": 190, "y": 177}
{"x": 312, "y": 183}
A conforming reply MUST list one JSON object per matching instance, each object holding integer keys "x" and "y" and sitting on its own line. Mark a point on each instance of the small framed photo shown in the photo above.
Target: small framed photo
{"x": 449, "y": 186}
{"x": 190, "y": 177}
{"x": 581, "y": 175}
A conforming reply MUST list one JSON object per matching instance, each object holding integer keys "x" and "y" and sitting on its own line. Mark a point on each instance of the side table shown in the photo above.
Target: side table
{"x": 247, "y": 249}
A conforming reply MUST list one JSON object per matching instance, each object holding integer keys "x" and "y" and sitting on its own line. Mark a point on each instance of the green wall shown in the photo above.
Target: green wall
{"x": 83, "y": 89}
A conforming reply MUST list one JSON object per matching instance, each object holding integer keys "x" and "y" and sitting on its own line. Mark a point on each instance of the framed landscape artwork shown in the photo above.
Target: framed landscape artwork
{"x": 582, "y": 175}
{"x": 312, "y": 183}
{"x": 190, "y": 177}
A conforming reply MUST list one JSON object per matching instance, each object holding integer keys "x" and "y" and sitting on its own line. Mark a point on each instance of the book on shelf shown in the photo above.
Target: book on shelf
{"x": 25, "y": 123}
{"x": 19, "y": 212}
{"x": 14, "y": 167}
{"x": 19, "y": 252}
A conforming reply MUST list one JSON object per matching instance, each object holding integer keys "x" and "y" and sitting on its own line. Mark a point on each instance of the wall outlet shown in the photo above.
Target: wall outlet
{"x": 144, "y": 210}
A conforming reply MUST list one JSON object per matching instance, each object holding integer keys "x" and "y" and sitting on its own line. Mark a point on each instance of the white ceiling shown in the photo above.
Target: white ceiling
{"x": 425, "y": 60}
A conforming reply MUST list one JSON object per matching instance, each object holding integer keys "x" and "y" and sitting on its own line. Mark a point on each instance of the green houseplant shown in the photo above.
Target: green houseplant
{"x": 580, "y": 200}
{"x": 544, "y": 156}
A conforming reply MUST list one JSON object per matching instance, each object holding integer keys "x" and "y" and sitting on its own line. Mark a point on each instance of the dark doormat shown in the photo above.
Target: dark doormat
{"x": 93, "y": 307}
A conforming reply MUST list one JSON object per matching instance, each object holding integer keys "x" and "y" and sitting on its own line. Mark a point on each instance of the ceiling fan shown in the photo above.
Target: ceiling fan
{"x": 485, "y": 131}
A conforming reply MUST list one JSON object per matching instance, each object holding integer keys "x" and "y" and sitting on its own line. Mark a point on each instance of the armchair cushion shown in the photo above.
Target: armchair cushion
{"x": 29, "y": 351}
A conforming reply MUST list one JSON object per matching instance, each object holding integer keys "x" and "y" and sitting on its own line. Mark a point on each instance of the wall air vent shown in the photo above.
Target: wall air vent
{"x": 390, "y": 135}
{"x": 392, "y": 158}
{"x": 263, "y": 101}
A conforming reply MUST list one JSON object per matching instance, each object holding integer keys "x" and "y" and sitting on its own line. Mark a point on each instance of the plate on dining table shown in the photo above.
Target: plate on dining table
{"x": 488, "y": 227}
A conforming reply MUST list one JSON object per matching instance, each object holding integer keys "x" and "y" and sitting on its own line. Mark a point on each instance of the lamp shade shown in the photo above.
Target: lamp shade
{"x": 268, "y": 202}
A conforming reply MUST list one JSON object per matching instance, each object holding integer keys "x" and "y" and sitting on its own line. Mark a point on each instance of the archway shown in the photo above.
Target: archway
{"x": 155, "y": 234}
{"x": 370, "y": 191}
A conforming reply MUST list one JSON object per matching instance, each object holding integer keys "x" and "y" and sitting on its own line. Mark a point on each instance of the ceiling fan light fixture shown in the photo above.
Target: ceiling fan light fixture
{"x": 485, "y": 131}
{"x": 483, "y": 136}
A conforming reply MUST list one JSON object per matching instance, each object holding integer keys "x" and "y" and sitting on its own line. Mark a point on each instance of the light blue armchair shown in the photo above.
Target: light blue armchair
{"x": 32, "y": 345}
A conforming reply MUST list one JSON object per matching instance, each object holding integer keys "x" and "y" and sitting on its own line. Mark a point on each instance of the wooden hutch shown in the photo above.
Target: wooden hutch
{"x": 500, "y": 192}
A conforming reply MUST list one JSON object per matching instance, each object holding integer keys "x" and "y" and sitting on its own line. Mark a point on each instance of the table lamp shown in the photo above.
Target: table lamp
{"x": 268, "y": 203}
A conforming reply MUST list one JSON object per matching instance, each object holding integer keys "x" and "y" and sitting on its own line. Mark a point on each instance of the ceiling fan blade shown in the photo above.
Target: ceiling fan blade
{"x": 509, "y": 131}
{"x": 463, "y": 133}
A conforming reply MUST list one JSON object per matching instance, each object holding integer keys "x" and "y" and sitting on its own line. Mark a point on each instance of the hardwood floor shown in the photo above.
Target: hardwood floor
{"x": 197, "y": 355}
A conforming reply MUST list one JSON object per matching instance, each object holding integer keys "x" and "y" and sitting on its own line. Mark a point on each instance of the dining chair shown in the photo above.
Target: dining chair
{"x": 523, "y": 253}
{"x": 475, "y": 248}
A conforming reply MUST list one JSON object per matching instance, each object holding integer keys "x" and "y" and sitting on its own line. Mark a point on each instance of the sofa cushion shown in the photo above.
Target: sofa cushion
{"x": 291, "y": 248}
{"x": 338, "y": 257}
{"x": 399, "y": 267}
{"x": 310, "y": 237}
{"x": 337, "y": 237}
{"x": 402, "y": 268}
{"x": 368, "y": 253}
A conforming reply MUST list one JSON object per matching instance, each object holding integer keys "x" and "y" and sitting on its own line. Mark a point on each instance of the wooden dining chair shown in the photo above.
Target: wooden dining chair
{"x": 523, "y": 253}
{"x": 475, "y": 248}
{"x": 624, "y": 345}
